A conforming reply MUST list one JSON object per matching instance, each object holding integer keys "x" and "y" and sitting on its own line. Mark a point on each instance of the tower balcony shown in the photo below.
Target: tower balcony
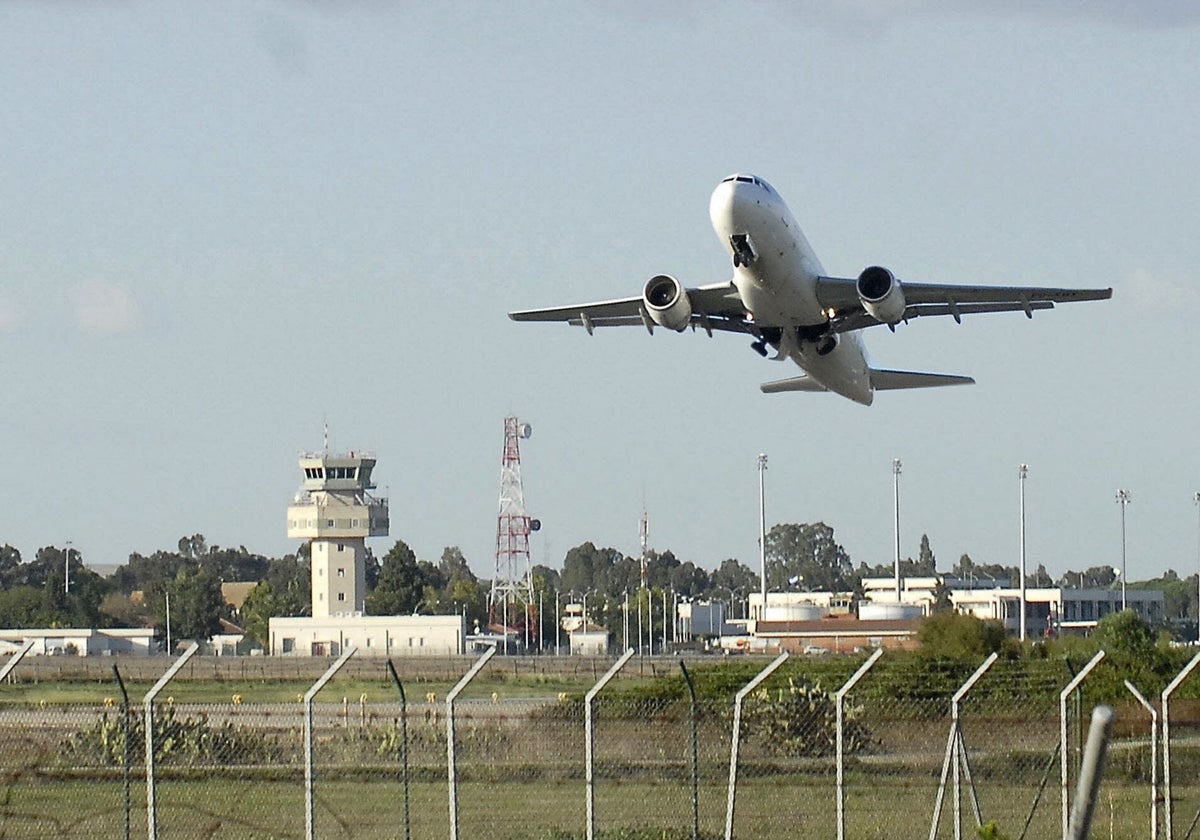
{"x": 317, "y": 518}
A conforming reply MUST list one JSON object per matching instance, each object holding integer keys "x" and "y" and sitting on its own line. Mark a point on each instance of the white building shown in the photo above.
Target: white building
{"x": 1048, "y": 610}
{"x": 373, "y": 635}
{"x": 80, "y": 641}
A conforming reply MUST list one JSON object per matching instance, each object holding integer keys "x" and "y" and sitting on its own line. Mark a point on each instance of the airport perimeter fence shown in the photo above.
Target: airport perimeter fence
{"x": 840, "y": 747}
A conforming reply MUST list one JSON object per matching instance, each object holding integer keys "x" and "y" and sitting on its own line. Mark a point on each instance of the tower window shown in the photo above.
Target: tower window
{"x": 341, "y": 572}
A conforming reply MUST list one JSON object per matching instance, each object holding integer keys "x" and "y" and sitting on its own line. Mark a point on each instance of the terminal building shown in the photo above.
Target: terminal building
{"x": 827, "y": 621}
{"x": 336, "y": 510}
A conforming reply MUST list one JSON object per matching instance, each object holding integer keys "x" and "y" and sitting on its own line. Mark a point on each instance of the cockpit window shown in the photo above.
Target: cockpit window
{"x": 749, "y": 179}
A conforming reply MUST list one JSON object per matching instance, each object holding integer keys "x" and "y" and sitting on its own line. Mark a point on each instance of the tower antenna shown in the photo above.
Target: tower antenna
{"x": 511, "y": 605}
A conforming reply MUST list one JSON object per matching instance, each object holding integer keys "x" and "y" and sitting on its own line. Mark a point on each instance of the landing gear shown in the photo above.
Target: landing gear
{"x": 743, "y": 251}
{"x": 827, "y": 345}
{"x": 760, "y": 347}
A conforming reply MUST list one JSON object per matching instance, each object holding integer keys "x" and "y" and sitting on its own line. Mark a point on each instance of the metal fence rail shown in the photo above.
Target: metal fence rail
{"x": 815, "y": 747}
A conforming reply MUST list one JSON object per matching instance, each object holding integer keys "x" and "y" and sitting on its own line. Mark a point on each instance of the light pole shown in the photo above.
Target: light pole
{"x": 1022, "y": 472}
{"x": 1196, "y": 499}
{"x": 557, "y": 624}
{"x": 896, "y": 502}
{"x": 1123, "y": 499}
{"x": 67, "y": 568}
{"x": 762, "y": 531}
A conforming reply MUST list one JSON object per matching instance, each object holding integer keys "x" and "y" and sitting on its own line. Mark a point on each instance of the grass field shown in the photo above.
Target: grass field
{"x": 795, "y": 805}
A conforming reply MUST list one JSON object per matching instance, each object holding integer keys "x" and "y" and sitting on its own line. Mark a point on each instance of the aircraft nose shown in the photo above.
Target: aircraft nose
{"x": 721, "y": 207}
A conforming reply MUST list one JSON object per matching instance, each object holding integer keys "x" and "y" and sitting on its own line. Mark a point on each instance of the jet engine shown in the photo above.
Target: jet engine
{"x": 667, "y": 302}
{"x": 881, "y": 294}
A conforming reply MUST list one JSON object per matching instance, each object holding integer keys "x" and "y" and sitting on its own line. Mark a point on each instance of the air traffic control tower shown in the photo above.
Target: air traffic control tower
{"x": 335, "y": 509}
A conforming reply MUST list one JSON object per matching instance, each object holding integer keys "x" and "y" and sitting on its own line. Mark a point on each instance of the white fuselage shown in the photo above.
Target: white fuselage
{"x": 779, "y": 284}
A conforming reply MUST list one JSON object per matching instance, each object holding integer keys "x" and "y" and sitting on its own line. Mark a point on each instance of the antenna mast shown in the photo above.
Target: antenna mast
{"x": 513, "y": 580}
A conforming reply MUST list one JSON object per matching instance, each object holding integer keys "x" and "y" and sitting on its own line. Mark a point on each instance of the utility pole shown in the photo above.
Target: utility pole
{"x": 762, "y": 533}
{"x": 896, "y": 503}
{"x": 1123, "y": 499}
{"x": 1022, "y": 472}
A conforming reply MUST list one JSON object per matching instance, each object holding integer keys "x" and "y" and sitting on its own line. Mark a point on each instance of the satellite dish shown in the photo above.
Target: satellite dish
{"x": 524, "y": 431}
{"x": 535, "y": 524}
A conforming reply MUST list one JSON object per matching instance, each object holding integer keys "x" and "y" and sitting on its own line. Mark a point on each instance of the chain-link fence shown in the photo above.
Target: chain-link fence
{"x": 838, "y": 747}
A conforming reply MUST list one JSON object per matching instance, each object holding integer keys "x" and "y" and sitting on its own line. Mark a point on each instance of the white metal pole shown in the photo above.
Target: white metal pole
{"x": 896, "y": 503}
{"x": 67, "y": 569}
{"x": 590, "y": 739}
{"x": 451, "y": 754}
{"x": 1153, "y": 757}
{"x": 1063, "y": 754}
{"x": 736, "y": 737}
{"x": 148, "y": 709}
{"x": 1196, "y": 499}
{"x": 1123, "y": 499}
{"x": 1022, "y": 473}
{"x": 762, "y": 533}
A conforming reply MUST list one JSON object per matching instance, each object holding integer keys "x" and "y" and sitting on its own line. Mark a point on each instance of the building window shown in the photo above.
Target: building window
{"x": 341, "y": 596}
{"x": 341, "y": 547}
{"x": 328, "y": 523}
{"x": 341, "y": 572}
{"x": 289, "y": 645}
{"x": 320, "y": 596}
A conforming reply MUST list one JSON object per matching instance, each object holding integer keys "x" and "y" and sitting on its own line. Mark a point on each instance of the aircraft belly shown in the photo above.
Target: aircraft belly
{"x": 844, "y": 371}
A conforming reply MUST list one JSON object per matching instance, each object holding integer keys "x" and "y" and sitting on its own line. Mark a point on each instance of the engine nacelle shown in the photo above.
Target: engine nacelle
{"x": 881, "y": 294}
{"x": 667, "y": 302}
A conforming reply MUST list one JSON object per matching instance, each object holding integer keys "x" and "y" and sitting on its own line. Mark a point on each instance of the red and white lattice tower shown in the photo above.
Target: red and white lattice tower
{"x": 511, "y": 605}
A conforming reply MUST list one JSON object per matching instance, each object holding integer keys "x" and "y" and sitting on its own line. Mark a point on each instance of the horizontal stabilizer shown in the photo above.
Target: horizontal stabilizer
{"x": 898, "y": 380}
{"x": 796, "y": 383}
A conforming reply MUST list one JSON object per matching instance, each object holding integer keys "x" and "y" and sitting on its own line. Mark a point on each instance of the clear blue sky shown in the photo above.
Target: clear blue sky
{"x": 223, "y": 224}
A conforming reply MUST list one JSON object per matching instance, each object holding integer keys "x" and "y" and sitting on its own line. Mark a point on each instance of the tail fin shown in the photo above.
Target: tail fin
{"x": 898, "y": 380}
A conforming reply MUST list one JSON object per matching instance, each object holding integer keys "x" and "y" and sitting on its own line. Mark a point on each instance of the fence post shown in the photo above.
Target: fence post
{"x": 126, "y": 758}
{"x": 590, "y": 740}
{"x": 736, "y": 736}
{"x": 451, "y": 762}
{"x": 403, "y": 744}
{"x": 310, "y": 821}
{"x": 1090, "y": 772}
{"x": 954, "y": 754}
{"x": 148, "y": 701}
{"x": 1166, "y": 729}
{"x": 695, "y": 754}
{"x": 840, "y": 698}
{"x": 15, "y": 658}
{"x": 1153, "y": 758}
{"x": 1065, "y": 754}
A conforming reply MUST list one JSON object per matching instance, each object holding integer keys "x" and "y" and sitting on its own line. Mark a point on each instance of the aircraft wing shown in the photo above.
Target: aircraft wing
{"x": 925, "y": 299}
{"x": 714, "y": 307}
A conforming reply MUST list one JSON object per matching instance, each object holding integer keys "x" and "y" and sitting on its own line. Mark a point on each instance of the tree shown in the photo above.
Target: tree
{"x": 808, "y": 553}
{"x": 734, "y": 576}
{"x": 952, "y": 635}
{"x": 259, "y": 607}
{"x": 401, "y": 587}
{"x": 926, "y": 563}
{"x": 10, "y": 562}
{"x": 196, "y": 605}
{"x": 1096, "y": 577}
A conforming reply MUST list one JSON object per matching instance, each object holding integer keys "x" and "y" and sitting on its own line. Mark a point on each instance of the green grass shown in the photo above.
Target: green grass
{"x": 37, "y": 807}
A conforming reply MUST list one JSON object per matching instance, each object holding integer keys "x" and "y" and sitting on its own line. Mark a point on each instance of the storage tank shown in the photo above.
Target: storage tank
{"x": 872, "y": 611}
{"x": 794, "y": 612}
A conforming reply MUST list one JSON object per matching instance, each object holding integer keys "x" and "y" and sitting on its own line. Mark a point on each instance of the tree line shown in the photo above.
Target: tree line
{"x": 799, "y": 557}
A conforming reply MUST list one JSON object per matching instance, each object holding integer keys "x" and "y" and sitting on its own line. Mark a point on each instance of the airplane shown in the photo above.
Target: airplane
{"x": 781, "y": 296}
